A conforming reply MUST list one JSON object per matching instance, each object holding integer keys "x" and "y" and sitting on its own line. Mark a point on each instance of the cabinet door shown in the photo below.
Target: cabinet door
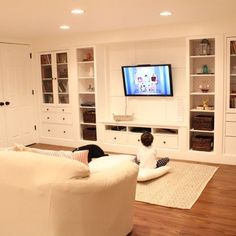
{"x": 62, "y": 77}
{"x": 54, "y": 76}
{"x": 17, "y": 94}
{"x": 231, "y": 64}
{"x": 2, "y": 114}
{"x": 47, "y": 78}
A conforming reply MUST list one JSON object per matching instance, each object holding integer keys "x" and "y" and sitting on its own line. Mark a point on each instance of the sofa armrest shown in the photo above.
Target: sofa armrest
{"x": 100, "y": 205}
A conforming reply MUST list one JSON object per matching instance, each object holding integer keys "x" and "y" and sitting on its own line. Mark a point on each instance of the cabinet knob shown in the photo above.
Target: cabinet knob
{"x": 63, "y": 118}
{"x": 47, "y": 109}
{"x": 49, "y": 130}
{"x": 7, "y": 103}
{"x": 115, "y": 138}
{"x": 164, "y": 142}
{"x": 48, "y": 118}
{"x": 63, "y": 109}
{"x": 138, "y": 140}
{"x": 64, "y": 131}
{"x": 1, "y": 103}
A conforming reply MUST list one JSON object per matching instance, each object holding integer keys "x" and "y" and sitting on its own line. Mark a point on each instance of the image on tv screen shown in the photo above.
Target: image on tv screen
{"x": 150, "y": 80}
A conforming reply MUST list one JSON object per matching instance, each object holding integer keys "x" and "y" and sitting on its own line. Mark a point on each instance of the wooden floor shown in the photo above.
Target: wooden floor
{"x": 214, "y": 213}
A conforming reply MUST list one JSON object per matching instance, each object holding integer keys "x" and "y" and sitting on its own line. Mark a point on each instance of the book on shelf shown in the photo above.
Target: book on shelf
{"x": 233, "y": 47}
{"x": 62, "y": 87}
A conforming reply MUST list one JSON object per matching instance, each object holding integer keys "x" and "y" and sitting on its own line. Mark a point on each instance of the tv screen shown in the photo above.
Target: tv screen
{"x": 147, "y": 80}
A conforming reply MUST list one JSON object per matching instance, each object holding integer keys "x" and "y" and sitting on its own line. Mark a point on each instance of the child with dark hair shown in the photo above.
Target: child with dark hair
{"x": 147, "y": 154}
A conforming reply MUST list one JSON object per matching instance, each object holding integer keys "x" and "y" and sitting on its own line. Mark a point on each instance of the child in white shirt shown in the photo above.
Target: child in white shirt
{"x": 147, "y": 154}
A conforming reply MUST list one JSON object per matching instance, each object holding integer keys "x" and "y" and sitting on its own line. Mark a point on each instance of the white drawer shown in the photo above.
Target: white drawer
{"x": 116, "y": 137}
{"x": 134, "y": 139}
{"x": 166, "y": 141}
{"x": 57, "y": 109}
{"x": 230, "y": 145}
{"x": 65, "y": 132}
{"x": 231, "y": 117}
{"x": 230, "y": 129}
{"x": 57, "y": 118}
{"x": 57, "y": 131}
{"x": 48, "y": 130}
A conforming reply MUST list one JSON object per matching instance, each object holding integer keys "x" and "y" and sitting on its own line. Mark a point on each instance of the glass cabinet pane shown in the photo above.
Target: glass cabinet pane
{"x": 62, "y": 78}
{"x": 46, "y": 75}
{"x": 232, "y": 82}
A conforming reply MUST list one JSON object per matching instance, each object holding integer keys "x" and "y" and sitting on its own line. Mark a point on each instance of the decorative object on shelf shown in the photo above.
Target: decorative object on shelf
{"x": 205, "y": 69}
{"x": 204, "y": 47}
{"x": 204, "y": 88}
{"x": 205, "y": 103}
{"x": 88, "y": 57}
{"x": 90, "y": 88}
{"x": 123, "y": 117}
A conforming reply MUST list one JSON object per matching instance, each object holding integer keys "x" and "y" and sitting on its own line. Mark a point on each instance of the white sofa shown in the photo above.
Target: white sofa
{"x": 44, "y": 196}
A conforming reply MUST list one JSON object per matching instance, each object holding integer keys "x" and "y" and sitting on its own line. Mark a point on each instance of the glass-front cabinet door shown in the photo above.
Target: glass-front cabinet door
{"x": 231, "y": 73}
{"x": 54, "y": 75}
{"x": 47, "y": 78}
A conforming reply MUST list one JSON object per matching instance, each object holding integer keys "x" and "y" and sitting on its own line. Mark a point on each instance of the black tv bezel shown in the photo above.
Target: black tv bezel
{"x": 148, "y": 95}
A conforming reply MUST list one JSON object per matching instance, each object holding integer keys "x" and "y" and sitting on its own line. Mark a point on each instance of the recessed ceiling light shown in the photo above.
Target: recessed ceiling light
{"x": 77, "y": 11}
{"x": 166, "y": 13}
{"x": 64, "y": 27}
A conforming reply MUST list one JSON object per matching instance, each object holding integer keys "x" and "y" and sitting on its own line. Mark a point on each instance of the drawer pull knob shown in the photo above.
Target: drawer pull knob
{"x": 63, "y": 109}
{"x": 49, "y": 130}
{"x": 164, "y": 142}
{"x": 63, "y": 118}
{"x": 64, "y": 131}
{"x": 47, "y": 109}
{"x": 115, "y": 138}
{"x": 1, "y": 103}
{"x": 48, "y": 118}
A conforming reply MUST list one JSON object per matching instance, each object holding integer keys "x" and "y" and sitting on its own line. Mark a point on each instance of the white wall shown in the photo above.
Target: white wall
{"x": 161, "y": 110}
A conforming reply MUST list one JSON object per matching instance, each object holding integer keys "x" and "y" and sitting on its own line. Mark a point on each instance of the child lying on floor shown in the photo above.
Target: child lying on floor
{"x": 147, "y": 154}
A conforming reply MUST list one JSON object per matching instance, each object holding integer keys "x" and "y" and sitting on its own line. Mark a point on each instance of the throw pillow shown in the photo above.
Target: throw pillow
{"x": 81, "y": 156}
{"x": 145, "y": 174}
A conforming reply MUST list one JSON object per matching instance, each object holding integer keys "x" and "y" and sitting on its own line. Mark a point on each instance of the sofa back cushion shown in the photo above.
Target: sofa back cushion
{"x": 26, "y": 168}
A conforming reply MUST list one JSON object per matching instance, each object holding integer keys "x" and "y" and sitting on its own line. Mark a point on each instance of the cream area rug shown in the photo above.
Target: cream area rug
{"x": 180, "y": 188}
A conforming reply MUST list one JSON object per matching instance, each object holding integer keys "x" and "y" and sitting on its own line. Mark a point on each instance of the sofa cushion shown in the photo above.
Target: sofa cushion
{"x": 108, "y": 162}
{"x": 81, "y": 156}
{"x": 145, "y": 174}
{"x": 28, "y": 167}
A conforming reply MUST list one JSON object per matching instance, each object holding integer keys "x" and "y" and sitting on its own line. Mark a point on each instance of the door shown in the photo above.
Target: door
{"x": 2, "y": 111}
{"x": 18, "y": 99}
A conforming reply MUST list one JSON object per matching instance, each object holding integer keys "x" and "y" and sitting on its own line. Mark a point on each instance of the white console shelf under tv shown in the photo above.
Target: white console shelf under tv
{"x": 126, "y": 134}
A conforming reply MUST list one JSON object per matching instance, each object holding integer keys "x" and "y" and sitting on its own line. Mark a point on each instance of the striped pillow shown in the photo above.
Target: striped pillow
{"x": 81, "y": 156}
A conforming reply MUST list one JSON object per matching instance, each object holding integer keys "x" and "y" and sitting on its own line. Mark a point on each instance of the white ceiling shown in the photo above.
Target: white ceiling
{"x": 30, "y": 19}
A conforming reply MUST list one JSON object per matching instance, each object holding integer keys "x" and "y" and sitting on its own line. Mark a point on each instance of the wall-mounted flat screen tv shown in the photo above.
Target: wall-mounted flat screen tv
{"x": 147, "y": 80}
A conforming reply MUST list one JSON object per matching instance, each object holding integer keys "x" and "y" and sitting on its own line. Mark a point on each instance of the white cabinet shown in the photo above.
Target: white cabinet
{"x": 57, "y": 123}
{"x": 55, "y": 77}
{"x": 202, "y": 77}
{"x": 230, "y": 111}
{"x": 17, "y": 114}
{"x": 87, "y": 93}
{"x": 166, "y": 141}
{"x": 129, "y": 135}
